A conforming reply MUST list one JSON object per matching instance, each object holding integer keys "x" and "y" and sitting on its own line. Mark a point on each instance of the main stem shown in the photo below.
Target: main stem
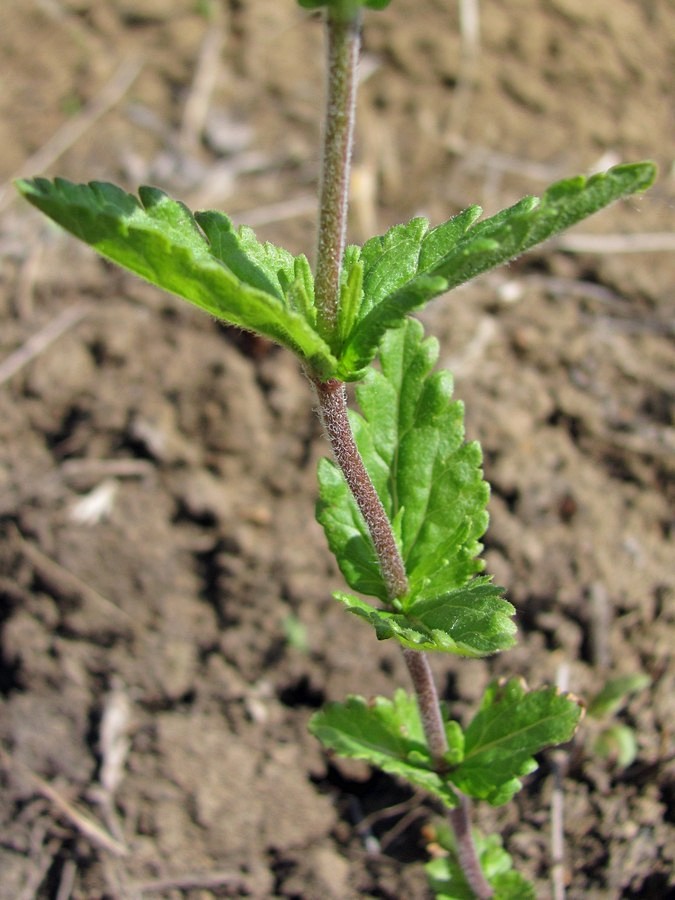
{"x": 333, "y": 406}
{"x": 343, "y": 50}
{"x": 344, "y": 41}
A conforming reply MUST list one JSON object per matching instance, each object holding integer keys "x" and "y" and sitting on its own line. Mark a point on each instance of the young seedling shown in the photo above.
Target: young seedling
{"x": 611, "y": 739}
{"x": 403, "y": 504}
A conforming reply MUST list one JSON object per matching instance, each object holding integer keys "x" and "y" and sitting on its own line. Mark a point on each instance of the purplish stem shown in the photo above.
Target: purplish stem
{"x": 343, "y": 36}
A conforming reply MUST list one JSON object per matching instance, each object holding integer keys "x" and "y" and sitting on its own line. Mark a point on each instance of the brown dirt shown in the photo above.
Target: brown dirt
{"x": 175, "y": 604}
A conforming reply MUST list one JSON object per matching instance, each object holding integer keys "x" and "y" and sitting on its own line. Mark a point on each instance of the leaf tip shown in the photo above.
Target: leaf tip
{"x": 31, "y": 187}
{"x": 643, "y": 174}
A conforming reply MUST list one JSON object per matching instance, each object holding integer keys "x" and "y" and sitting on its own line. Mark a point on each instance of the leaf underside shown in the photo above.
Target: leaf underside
{"x": 447, "y": 878}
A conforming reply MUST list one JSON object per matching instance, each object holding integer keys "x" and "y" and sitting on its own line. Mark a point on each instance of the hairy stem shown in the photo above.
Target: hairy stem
{"x": 343, "y": 53}
{"x": 429, "y": 706}
{"x": 333, "y": 407}
{"x": 460, "y": 819}
{"x": 432, "y": 722}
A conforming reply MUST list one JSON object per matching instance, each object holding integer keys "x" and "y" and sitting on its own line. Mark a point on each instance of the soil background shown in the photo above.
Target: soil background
{"x": 160, "y": 566}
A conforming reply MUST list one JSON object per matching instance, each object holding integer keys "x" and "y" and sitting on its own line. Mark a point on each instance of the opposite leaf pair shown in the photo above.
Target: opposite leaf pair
{"x": 263, "y": 288}
{"x": 486, "y": 760}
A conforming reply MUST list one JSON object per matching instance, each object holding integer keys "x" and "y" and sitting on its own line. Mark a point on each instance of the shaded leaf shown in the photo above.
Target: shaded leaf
{"x": 472, "y": 621}
{"x": 258, "y": 265}
{"x": 447, "y": 879}
{"x": 387, "y": 734}
{"x": 361, "y": 347}
{"x": 618, "y": 744}
{"x": 616, "y": 692}
{"x": 351, "y": 294}
{"x": 347, "y": 534}
{"x": 347, "y": 7}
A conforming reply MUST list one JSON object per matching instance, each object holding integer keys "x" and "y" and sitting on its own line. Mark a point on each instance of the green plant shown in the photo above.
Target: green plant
{"x": 610, "y": 739}
{"x": 404, "y": 504}
{"x": 448, "y": 881}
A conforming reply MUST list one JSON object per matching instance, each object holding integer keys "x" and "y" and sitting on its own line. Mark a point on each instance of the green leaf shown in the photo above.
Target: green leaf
{"x": 615, "y": 692}
{"x": 458, "y": 250}
{"x": 347, "y": 533}
{"x": 411, "y": 437}
{"x": 390, "y": 265}
{"x": 531, "y": 221}
{"x": 360, "y": 348}
{"x": 437, "y": 242}
{"x": 351, "y": 293}
{"x": 617, "y": 743}
{"x": 299, "y": 291}
{"x": 512, "y": 725}
{"x": 447, "y": 879}
{"x": 387, "y": 734}
{"x": 230, "y": 275}
{"x": 391, "y": 260}
{"x": 258, "y": 265}
{"x": 476, "y": 617}
{"x": 344, "y": 8}
{"x": 472, "y": 621}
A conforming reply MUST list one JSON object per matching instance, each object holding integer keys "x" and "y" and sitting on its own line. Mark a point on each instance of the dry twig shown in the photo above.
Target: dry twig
{"x": 72, "y": 130}
{"x": 87, "y": 826}
{"x": 278, "y": 212}
{"x": 559, "y": 764}
{"x": 39, "y": 341}
{"x": 66, "y": 581}
{"x": 205, "y": 881}
{"x": 196, "y": 109}
{"x": 67, "y": 880}
{"x": 654, "y": 242}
